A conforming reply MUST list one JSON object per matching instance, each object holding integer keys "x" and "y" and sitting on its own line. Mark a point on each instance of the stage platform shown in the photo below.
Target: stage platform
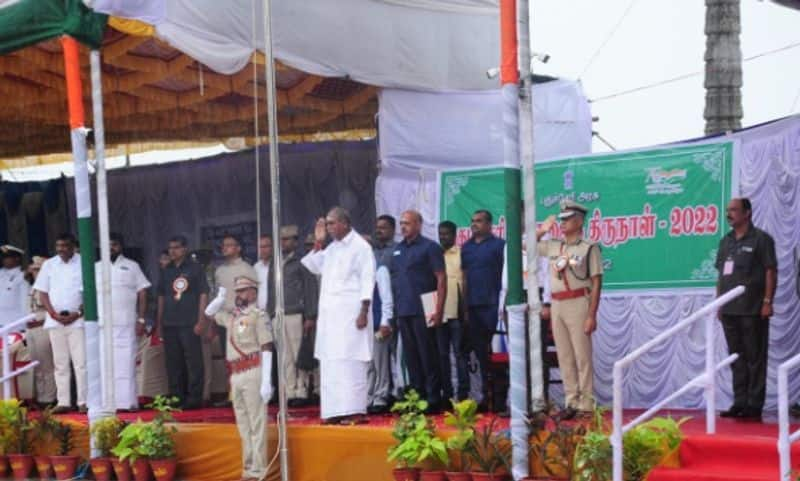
{"x": 208, "y": 443}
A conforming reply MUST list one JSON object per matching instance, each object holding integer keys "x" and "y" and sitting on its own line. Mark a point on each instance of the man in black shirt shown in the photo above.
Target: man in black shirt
{"x": 746, "y": 256}
{"x": 182, "y": 297}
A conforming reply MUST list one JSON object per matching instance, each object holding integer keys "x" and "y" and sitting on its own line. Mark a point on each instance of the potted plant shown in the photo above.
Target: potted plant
{"x": 490, "y": 451}
{"x": 64, "y": 464}
{"x": 554, "y": 444}
{"x": 15, "y": 418}
{"x": 43, "y": 429}
{"x": 159, "y": 441}
{"x": 105, "y": 433}
{"x": 411, "y": 410}
{"x": 6, "y": 438}
{"x": 463, "y": 419}
{"x": 144, "y": 444}
{"x": 592, "y": 460}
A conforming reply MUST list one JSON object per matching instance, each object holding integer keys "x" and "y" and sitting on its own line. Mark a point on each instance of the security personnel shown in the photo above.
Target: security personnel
{"x": 576, "y": 272}
{"x": 249, "y": 359}
{"x": 14, "y": 289}
{"x": 746, "y": 256}
{"x": 300, "y": 296}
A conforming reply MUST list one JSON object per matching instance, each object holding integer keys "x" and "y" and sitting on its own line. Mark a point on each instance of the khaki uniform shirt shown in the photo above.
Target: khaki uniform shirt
{"x": 452, "y": 264}
{"x": 585, "y": 262}
{"x": 226, "y": 274}
{"x": 247, "y": 330}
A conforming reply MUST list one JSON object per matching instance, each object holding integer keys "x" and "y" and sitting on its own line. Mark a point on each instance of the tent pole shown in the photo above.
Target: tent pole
{"x": 83, "y": 203}
{"x": 275, "y": 192}
{"x": 526, "y": 139}
{"x": 109, "y": 403}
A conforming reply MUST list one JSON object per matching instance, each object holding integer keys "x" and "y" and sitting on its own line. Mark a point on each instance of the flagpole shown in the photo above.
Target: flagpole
{"x": 275, "y": 192}
{"x": 109, "y": 404}
{"x": 83, "y": 204}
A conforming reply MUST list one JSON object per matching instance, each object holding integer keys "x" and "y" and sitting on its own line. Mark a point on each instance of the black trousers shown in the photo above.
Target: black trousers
{"x": 419, "y": 348}
{"x": 748, "y": 336}
{"x": 482, "y": 326}
{"x": 450, "y": 335}
{"x": 183, "y": 350}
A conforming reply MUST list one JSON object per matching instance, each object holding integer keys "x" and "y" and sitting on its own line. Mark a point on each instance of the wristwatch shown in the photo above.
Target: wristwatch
{"x": 767, "y": 301}
{"x": 141, "y": 320}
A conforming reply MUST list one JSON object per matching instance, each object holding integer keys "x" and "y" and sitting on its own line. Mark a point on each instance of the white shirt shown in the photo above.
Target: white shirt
{"x": 14, "y": 295}
{"x": 63, "y": 282}
{"x": 262, "y": 272}
{"x": 384, "y": 282}
{"x": 127, "y": 279}
{"x": 348, "y": 278}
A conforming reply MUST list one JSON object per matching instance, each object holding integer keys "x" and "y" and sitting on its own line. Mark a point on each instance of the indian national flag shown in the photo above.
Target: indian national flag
{"x": 27, "y": 22}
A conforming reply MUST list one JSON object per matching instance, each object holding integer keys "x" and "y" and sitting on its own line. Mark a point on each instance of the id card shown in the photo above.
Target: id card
{"x": 727, "y": 268}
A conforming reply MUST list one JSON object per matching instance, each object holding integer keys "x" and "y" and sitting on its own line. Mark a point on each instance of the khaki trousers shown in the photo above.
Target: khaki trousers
{"x": 574, "y": 349}
{"x": 69, "y": 344}
{"x": 297, "y": 380}
{"x": 251, "y": 417}
{"x": 208, "y": 368}
{"x": 40, "y": 350}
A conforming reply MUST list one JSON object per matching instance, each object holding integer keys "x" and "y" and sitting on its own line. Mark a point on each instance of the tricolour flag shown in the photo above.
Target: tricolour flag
{"x": 27, "y": 22}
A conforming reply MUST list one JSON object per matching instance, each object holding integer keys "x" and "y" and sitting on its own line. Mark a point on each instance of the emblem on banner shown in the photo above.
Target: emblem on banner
{"x": 179, "y": 286}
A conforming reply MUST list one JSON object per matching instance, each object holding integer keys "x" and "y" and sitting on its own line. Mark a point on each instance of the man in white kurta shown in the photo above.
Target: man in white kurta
{"x": 128, "y": 288}
{"x": 343, "y": 343}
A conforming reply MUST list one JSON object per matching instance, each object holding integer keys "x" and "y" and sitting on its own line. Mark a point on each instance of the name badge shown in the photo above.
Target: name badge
{"x": 396, "y": 253}
{"x": 747, "y": 249}
{"x": 727, "y": 268}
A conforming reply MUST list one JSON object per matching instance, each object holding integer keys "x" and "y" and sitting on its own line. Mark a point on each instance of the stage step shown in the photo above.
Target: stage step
{"x": 720, "y": 458}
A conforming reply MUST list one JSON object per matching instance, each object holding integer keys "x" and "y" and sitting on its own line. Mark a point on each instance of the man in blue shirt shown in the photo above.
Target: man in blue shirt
{"x": 482, "y": 260}
{"x": 417, "y": 268}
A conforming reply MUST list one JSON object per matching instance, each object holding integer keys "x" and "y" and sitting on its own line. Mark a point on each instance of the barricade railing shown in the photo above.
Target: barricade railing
{"x": 785, "y": 438}
{"x": 9, "y": 376}
{"x": 705, "y": 380}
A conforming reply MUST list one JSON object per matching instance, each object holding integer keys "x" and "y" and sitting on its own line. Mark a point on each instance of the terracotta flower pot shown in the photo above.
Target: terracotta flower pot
{"x": 64, "y": 466}
{"x": 43, "y": 467}
{"x": 101, "y": 468}
{"x": 458, "y": 476}
{"x": 489, "y": 477}
{"x": 141, "y": 470}
{"x": 3, "y": 466}
{"x": 164, "y": 469}
{"x": 122, "y": 469}
{"x": 21, "y": 465}
{"x": 432, "y": 476}
{"x": 405, "y": 474}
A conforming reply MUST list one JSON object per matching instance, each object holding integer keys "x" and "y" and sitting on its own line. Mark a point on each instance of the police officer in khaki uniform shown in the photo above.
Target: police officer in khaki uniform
{"x": 249, "y": 358}
{"x": 576, "y": 271}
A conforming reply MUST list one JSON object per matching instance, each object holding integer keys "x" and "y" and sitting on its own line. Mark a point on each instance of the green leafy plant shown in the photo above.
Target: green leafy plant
{"x": 417, "y": 443}
{"x": 62, "y": 432}
{"x": 593, "y": 455}
{"x": 648, "y": 443}
{"x": 463, "y": 419}
{"x": 153, "y": 440}
{"x": 17, "y": 430}
{"x": 556, "y": 443}
{"x": 489, "y": 450}
{"x": 43, "y": 428}
{"x": 105, "y": 433}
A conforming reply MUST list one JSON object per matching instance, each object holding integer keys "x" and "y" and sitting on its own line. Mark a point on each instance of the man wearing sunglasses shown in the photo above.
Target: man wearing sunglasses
{"x": 576, "y": 273}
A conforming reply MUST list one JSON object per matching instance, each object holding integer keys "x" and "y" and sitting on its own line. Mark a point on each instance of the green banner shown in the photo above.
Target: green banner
{"x": 659, "y": 214}
{"x": 464, "y": 192}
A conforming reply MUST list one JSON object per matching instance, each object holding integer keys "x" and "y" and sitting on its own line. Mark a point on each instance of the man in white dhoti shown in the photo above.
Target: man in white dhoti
{"x": 128, "y": 290}
{"x": 343, "y": 344}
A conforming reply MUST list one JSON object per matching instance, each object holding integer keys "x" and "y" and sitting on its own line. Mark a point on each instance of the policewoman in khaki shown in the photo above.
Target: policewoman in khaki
{"x": 249, "y": 358}
{"x": 576, "y": 269}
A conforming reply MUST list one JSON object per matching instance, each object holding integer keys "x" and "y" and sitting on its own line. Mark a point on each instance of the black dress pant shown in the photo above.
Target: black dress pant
{"x": 183, "y": 350}
{"x": 748, "y": 336}
{"x": 419, "y": 348}
{"x": 482, "y": 326}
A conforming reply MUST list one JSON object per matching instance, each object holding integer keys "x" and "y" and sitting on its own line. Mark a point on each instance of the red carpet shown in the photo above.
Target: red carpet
{"x": 724, "y": 457}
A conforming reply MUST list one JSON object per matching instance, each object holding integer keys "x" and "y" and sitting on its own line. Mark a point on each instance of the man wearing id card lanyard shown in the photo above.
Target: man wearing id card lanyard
{"x": 746, "y": 256}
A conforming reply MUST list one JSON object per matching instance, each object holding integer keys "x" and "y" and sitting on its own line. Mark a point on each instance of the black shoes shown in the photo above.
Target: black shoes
{"x": 794, "y": 410}
{"x": 568, "y": 413}
{"x": 297, "y": 403}
{"x": 378, "y": 409}
{"x": 733, "y": 412}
